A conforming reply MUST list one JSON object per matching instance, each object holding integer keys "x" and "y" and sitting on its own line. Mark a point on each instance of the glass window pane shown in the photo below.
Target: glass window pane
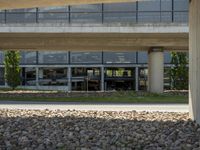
{"x": 20, "y": 17}
{"x": 2, "y": 17}
{"x": 87, "y": 8}
{"x": 167, "y": 57}
{"x": 53, "y": 17}
{"x": 149, "y": 17}
{"x": 53, "y": 76}
{"x": 120, "y": 57}
{"x": 166, "y": 16}
{"x": 54, "y": 9}
{"x": 181, "y": 17}
{"x": 2, "y": 81}
{"x": 166, "y": 5}
{"x": 84, "y": 57}
{"x": 119, "y": 7}
{"x": 142, "y": 57}
{"x": 143, "y": 78}
{"x": 53, "y": 57}
{"x": 28, "y": 57}
{"x": 29, "y": 76}
{"x": 119, "y": 17}
{"x": 153, "y": 5}
{"x": 181, "y": 5}
{"x": 22, "y": 10}
{"x": 86, "y": 17}
{"x": 1, "y": 57}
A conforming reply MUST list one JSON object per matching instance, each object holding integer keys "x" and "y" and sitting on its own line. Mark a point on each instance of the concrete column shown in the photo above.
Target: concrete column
{"x": 194, "y": 60}
{"x": 102, "y": 79}
{"x": 136, "y": 78}
{"x": 69, "y": 76}
{"x": 156, "y": 70}
{"x": 37, "y": 76}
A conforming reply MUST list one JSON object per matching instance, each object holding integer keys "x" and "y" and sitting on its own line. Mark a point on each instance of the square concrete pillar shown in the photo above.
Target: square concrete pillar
{"x": 194, "y": 60}
{"x": 156, "y": 70}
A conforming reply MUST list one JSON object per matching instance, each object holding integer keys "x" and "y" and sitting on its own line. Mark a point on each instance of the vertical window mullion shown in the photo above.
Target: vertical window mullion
{"x": 69, "y": 13}
{"x": 172, "y": 10}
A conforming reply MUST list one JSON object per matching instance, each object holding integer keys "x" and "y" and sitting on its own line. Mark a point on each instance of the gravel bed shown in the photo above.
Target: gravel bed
{"x": 92, "y": 130}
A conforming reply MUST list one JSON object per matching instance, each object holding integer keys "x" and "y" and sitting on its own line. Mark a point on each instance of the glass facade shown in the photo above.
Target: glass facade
{"x": 2, "y": 81}
{"x": 28, "y": 58}
{"x": 85, "y": 57}
{"x": 119, "y": 69}
{"x": 86, "y": 79}
{"x": 119, "y": 78}
{"x": 52, "y": 76}
{"x": 28, "y": 76}
{"x": 135, "y": 12}
{"x": 53, "y": 57}
{"x": 1, "y": 57}
{"x": 119, "y": 57}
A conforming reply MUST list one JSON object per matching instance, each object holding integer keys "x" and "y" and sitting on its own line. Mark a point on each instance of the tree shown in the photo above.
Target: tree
{"x": 12, "y": 69}
{"x": 179, "y": 71}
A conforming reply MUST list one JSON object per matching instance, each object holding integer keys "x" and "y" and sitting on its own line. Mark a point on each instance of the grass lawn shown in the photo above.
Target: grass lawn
{"x": 114, "y": 98}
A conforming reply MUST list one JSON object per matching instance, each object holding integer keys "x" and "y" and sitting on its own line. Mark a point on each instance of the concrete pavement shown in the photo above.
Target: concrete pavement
{"x": 94, "y": 106}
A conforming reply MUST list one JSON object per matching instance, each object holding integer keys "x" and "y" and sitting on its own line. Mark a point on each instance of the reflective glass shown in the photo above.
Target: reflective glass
{"x": 29, "y": 76}
{"x": 1, "y": 57}
{"x": 149, "y": 17}
{"x": 153, "y": 5}
{"x": 52, "y": 76}
{"x": 2, "y": 81}
{"x": 86, "y": 17}
{"x": 120, "y": 7}
{"x": 87, "y": 8}
{"x": 181, "y": 5}
{"x": 49, "y": 57}
{"x": 167, "y": 57}
{"x": 86, "y": 57}
{"x": 166, "y": 16}
{"x": 119, "y": 57}
{"x": 54, "y": 9}
{"x": 166, "y": 5}
{"x": 119, "y": 17}
{"x": 53, "y": 17}
{"x": 142, "y": 57}
{"x": 22, "y": 10}
{"x": 2, "y": 17}
{"x": 28, "y": 57}
{"x": 181, "y": 17}
{"x": 20, "y": 17}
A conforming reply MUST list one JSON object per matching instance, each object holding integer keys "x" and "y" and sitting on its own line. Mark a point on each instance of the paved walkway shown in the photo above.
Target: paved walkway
{"x": 94, "y": 106}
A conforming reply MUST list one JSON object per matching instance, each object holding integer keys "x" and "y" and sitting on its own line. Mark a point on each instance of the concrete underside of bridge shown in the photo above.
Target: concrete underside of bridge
{"x": 90, "y": 37}
{"x": 15, "y": 4}
{"x": 92, "y": 41}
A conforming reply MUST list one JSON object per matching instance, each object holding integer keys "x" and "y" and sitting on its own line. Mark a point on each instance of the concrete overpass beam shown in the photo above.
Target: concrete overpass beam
{"x": 156, "y": 70}
{"x": 194, "y": 67}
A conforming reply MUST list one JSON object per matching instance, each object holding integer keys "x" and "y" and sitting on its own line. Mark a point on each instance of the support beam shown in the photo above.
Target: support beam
{"x": 102, "y": 79}
{"x": 37, "y": 77}
{"x": 156, "y": 70}
{"x": 136, "y": 78}
{"x": 194, "y": 64}
{"x": 69, "y": 76}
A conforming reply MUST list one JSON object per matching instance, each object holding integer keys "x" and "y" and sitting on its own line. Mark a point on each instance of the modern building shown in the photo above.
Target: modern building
{"x": 141, "y": 65}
